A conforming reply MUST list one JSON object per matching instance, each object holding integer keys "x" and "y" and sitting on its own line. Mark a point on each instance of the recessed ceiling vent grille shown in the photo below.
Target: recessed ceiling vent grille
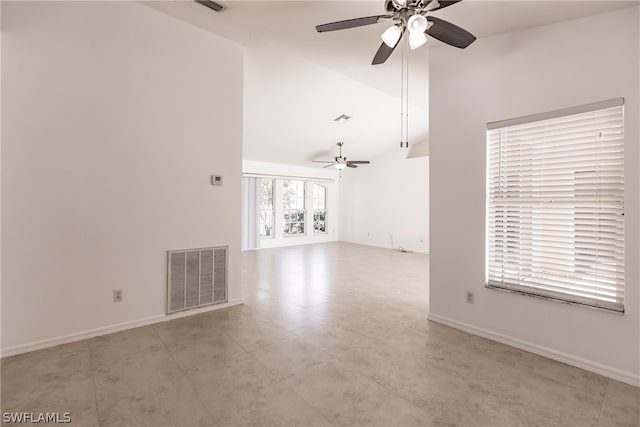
{"x": 341, "y": 119}
{"x": 196, "y": 277}
{"x": 212, "y": 5}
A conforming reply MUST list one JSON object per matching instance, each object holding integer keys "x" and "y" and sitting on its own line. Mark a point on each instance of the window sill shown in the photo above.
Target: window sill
{"x": 549, "y": 298}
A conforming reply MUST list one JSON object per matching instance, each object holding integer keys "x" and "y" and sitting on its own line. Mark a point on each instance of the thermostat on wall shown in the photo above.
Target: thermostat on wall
{"x": 216, "y": 179}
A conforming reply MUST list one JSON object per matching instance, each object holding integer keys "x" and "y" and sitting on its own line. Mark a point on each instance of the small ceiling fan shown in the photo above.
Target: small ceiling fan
{"x": 341, "y": 162}
{"x": 410, "y": 16}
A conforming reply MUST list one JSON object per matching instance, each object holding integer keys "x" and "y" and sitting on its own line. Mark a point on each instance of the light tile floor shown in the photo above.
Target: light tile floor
{"x": 329, "y": 335}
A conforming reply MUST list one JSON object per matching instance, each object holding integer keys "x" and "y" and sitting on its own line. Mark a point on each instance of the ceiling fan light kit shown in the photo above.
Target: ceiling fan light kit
{"x": 391, "y": 36}
{"x": 417, "y": 24}
{"x": 416, "y": 40}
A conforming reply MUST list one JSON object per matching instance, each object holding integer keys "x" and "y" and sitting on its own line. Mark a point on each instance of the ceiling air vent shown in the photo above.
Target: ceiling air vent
{"x": 212, "y": 5}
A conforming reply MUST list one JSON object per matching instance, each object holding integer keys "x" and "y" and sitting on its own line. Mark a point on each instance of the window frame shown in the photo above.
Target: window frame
{"x": 288, "y": 211}
{"x": 313, "y": 216}
{"x": 272, "y": 211}
{"x": 509, "y": 226}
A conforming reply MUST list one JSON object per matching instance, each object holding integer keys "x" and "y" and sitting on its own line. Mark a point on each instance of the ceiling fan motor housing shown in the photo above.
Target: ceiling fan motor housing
{"x": 389, "y": 6}
{"x": 397, "y": 5}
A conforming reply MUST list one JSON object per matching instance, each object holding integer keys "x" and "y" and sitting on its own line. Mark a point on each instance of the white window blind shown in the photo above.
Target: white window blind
{"x": 555, "y": 205}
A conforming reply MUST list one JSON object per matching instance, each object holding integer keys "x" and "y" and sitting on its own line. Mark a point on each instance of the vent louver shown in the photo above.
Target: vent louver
{"x": 196, "y": 277}
{"x": 212, "y": 5}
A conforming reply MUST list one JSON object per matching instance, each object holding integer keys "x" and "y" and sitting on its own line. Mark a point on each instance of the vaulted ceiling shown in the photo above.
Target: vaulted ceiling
{"x": 297, "y": 80}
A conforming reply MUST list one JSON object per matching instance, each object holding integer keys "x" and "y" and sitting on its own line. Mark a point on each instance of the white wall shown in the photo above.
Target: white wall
{"x": 388, "y": 197}
{"x": 115, "y": 115}
{"x": 510, "y": 75}
{"x": 324, "y": 177}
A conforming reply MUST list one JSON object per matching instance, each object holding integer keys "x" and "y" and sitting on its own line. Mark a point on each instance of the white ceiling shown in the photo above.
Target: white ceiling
{"x": 297, "y": 80}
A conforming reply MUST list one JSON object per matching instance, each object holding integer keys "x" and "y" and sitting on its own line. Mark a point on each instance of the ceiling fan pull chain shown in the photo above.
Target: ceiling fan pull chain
{"x": 406, "y": 137}
{"x": 402, "y": 100}
{"x": 402, "y": 95}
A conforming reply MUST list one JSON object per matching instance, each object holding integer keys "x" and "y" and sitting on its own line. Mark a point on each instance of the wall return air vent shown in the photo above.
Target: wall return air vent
{"x": 196, "y": 278}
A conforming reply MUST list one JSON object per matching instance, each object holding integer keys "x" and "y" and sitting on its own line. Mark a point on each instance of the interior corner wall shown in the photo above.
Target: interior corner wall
{"x": 327, "y": 178}
{"x": 511, "y": 75}
{"x": 0, "y": 178}
{"x": 387, "y": 198}
{"x": 114, "y": 117}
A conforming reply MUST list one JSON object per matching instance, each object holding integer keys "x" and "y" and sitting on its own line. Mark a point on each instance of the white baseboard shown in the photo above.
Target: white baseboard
{"x": 288, "y": 241}
{"x": 105, "y": 330}
{"x": 379, "y": 245}
{"x": 607, "y": 371}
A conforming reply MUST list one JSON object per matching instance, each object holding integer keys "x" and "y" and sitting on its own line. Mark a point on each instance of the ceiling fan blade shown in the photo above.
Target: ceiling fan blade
{"x": 350, "y": 23}
{"x": 351, "y": 165}
{"x": 323, "y": 161}
{"x": 359, "y": 162}
{"x": 448, "y": 33}
{"x": 383, "y": 53}
{"x": 445, "y": 3}
{"x": 328, "y": 166}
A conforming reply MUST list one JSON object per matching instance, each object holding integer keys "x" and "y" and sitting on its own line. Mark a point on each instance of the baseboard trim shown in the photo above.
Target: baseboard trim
{"x": 287, "y": 242}
{"x": 607, "y": 371}
{"x": 379, "y": 245}
{"x": 105, "y": 330}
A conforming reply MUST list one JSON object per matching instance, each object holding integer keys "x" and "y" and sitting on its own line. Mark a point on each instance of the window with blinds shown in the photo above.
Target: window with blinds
{"x": 555, "y": 205}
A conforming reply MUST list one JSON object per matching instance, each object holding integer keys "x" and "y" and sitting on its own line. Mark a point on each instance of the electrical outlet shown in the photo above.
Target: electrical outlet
{"x": 117, "y": 295}
{"x": 470, "y": 297}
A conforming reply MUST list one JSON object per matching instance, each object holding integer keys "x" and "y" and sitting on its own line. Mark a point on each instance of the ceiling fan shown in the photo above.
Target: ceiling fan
{"x": 341, "y": 162}
{"x": 412, "y": 16}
